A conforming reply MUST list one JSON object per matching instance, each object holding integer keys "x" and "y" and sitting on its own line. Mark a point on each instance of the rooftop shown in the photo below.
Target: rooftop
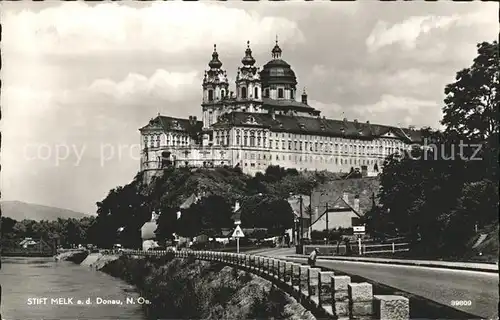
{"x": 318, "y": 126}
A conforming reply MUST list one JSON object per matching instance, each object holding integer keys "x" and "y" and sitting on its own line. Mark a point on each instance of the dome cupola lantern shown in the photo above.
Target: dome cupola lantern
{"x": 215, "y": 62}
{"x": 248, "y": 60}
{"x": 276, "y": 52}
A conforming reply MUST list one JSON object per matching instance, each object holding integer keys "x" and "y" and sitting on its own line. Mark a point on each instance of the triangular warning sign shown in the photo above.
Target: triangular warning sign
{"x": 238, "y": 233}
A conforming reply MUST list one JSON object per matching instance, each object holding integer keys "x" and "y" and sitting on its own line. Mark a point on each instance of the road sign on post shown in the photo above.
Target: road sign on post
{"x": 238, "y": 233}
{"x": 359, "y": 230}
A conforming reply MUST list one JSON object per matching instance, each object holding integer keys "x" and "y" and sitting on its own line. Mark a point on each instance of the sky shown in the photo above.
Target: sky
{"x": 79, "y": 79}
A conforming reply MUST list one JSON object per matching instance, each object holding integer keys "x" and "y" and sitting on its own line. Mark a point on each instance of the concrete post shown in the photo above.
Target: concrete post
{"x": 340, "y": 295}
{"x": 274, "y": 267}
{"x": 266, "y": 265}
{"x": 325, "y": 288}
{"x": 391, "y": 307}
{"x": 304, "y": 278}
{"x": 313, "y": 281}
{"x": 253, "y": 262}
{"x": 288, "y": 273}
{"x": 360, "y": 300}
{"x": 296, "y": 275}
{"x": 281, "y": 270}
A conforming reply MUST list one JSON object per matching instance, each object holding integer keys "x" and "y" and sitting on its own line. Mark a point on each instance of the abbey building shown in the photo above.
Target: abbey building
{"x": 265, "y": 121}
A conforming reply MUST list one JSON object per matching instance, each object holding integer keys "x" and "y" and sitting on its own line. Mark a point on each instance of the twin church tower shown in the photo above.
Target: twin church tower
{"x": 254, "y": 88}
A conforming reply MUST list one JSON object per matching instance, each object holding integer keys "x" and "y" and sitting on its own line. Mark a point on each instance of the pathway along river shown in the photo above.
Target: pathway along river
{"x": 25, "y": 278}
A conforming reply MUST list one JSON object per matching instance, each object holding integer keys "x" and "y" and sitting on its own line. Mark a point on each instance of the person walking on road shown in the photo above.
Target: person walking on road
{"x": 312, "y": 257}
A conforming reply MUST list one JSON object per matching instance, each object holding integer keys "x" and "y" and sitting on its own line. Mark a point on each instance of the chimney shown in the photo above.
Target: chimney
{"x": 345, "y": 197}
{"x": 304, "y": 96}
{"x": 273, "y": 114}
{"x": 356, "y": 203}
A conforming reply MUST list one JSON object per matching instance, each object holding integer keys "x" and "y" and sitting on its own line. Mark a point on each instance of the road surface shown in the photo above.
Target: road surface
{"x": 440, "y": 285}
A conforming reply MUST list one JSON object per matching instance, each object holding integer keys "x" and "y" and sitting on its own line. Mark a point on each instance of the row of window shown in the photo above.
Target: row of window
{"x": 328, "y": 160}
{"x": 379, "y": 142}
{"x": 153, "y": 141}
{"x": 281, "y": 93}
{"x": 332, "y": 148}
{"x": 243, "y": 93}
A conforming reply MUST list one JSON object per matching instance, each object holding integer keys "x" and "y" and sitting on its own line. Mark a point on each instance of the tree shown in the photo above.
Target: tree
{"x": 472, "y": 100}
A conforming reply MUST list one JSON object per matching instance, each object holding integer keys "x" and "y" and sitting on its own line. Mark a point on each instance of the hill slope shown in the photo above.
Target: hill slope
{"x": 18, "y": 210}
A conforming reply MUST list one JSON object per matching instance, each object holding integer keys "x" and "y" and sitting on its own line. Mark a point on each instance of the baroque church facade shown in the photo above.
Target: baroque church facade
{"x": 264, "y": 122}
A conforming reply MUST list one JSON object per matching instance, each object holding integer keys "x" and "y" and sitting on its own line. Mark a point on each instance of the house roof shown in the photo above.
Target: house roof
{"x": 339, "y": 205}
{"x": 285, "y": 103}
{"x": 189, "y": 201}
{"x": 317, "y": 126}
{"x": 295, "y": 204}
{"x": 148, "y": 230}
{"x": 173, "y": 124}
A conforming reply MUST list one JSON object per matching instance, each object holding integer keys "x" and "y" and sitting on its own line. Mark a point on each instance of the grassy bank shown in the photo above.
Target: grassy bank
{"x": 189, "y": 289}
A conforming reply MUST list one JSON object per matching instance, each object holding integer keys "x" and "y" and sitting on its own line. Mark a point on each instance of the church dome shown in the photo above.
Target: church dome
{"x": 277, "y": 71}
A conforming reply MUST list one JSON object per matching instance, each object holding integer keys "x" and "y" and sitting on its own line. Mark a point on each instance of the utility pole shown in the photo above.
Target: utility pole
{"x": 326, "y": 218}
{"x": 301, "y": 224}
{"x": 310, "y": 214}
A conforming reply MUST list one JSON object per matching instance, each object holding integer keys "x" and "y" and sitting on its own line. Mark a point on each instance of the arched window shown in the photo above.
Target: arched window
{"x": 222, "y": 93}
{"x": 266, "y": 92}
{"x": 256, "y": 93}
{"x": 280, "y": 93}
{"x": 243, "y": 92}
{"x": 210, "y": 95}
{"x": 291, "y": 94}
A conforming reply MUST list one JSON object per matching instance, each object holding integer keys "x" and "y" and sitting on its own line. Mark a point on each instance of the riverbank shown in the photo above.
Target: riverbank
{"x": 73, "y": 256}
{"x": 188, "y": 289}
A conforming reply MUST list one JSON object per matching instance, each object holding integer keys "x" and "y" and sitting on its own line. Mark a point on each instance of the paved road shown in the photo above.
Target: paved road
{"x": 440, "y": 285}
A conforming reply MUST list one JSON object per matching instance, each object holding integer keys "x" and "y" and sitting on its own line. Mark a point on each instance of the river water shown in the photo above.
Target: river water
{"x": 24, "y": 279}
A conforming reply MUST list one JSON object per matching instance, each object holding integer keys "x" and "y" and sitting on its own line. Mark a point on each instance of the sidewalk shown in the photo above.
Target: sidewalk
{"x": 471, "y": 266}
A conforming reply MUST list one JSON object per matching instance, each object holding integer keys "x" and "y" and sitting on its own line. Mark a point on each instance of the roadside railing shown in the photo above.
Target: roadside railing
{"x": 330, "y": 250}
{"x": 385, "y": 248}
{"x": 332, "y": 296}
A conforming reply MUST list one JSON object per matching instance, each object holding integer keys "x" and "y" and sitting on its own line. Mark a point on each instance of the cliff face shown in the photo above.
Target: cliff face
{"x": 189, "y": 289}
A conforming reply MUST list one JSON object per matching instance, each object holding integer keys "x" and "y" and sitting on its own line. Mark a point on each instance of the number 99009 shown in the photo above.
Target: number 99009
{"x": 461, "y": 303}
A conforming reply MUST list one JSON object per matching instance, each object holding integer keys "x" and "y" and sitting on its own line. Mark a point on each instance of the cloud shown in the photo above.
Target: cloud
{"x": 89, "y": 134}
{"x": 329, "y": 110}
{"x": 171, "y": 86}
{"x": 169, "y": 27}
{"x": 408, "y": 32}
{"x": 400, "y": 110}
